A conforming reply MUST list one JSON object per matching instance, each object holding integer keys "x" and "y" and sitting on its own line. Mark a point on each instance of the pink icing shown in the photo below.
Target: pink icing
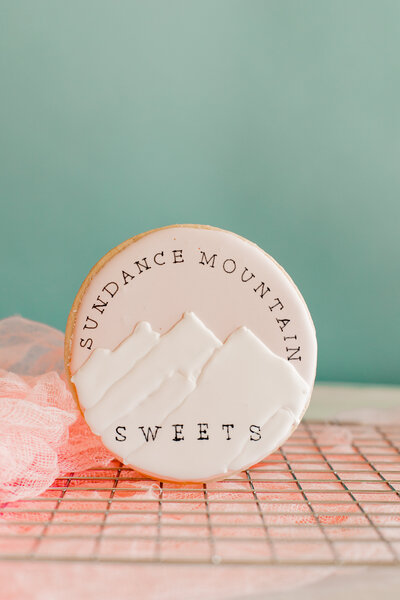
{"x": 162, "y": 293}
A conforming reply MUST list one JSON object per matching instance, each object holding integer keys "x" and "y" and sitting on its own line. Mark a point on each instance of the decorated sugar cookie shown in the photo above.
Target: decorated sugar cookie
{"x": 191, "y": 353}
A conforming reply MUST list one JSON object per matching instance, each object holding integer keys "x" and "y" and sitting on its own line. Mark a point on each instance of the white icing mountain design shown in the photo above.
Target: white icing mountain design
{"x": 188, "y": 377}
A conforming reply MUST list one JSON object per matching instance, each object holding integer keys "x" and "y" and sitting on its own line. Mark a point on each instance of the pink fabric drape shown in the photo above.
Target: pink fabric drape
{"x": 42, "y": 433}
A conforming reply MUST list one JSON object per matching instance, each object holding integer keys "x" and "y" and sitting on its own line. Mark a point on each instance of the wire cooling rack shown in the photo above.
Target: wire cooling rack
{"x": 319, "y": 500}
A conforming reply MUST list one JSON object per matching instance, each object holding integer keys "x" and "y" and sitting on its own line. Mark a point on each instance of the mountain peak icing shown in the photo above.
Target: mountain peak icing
{"x": 199, "y": 397}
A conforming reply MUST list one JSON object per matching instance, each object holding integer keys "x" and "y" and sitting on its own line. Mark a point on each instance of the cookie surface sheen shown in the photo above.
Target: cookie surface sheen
{"x": 191, "y": 353}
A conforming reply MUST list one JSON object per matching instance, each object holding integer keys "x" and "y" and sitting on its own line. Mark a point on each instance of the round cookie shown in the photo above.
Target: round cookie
{"x": 191, "y": 353}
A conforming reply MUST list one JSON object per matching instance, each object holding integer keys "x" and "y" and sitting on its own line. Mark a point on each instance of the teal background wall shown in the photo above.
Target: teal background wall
{"x": 278, "y": 120}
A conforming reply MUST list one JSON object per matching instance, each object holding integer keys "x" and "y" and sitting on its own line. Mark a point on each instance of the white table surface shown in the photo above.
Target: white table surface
{"x": 332, "y": 399}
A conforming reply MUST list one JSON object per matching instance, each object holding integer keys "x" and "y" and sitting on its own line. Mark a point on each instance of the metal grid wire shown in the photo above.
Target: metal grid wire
{"x": 307, "y": 504}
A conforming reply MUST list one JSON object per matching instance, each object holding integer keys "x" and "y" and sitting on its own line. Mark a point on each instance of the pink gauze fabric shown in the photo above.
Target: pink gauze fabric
{"x": 42, "y": 433}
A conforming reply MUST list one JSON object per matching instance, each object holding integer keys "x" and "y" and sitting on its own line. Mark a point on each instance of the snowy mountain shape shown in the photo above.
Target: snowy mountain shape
{"x": 185, "y": 406}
